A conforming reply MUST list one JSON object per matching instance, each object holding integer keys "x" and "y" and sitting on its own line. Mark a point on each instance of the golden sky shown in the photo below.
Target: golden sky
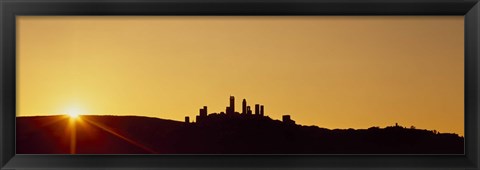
{"x": 329, "y": 71}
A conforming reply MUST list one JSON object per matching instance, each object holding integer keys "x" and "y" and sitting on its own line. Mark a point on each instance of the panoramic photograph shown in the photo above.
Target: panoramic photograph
{"x": 240, "y": 85}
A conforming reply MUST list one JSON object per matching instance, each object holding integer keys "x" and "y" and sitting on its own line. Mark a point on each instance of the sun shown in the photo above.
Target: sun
{"x": 73, "y": 115}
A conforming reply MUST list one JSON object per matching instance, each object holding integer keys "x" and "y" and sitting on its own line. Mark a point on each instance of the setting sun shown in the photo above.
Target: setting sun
{"x": 73, "y": 115}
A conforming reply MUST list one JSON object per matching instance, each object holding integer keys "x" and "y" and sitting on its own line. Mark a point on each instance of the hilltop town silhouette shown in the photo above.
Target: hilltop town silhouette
{"x": 230, "y": 113}
{"x": 228, "y": 132}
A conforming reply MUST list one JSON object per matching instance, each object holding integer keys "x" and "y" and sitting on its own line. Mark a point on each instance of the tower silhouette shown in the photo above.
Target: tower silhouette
{"x": 232, "y": 104}
{"x": 257, "y": 109}
{"x": 203, "y": 111}
{"x": 244, "y": 106}
{"x": 202, "y": 114}
{"x": 261, "y": 110}
{"x": 286, "y": 119}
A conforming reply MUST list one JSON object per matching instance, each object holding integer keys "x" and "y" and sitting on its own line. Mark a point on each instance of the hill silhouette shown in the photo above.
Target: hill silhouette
{"x": 219, "y": 134}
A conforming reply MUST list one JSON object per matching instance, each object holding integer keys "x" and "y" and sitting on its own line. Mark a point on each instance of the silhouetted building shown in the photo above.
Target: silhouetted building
{"x": 244, "y": 106}
{"x": 257, "y": 109}
{"x": 187, "y": 119}
{"x": 232, "y": 104}
{"x": 203, "y": 112}
{"x": 249, "y": 110}
{"x": 227, "y": 110}
{"x": 261, "y": 110}
{"x": 287, "y": 119}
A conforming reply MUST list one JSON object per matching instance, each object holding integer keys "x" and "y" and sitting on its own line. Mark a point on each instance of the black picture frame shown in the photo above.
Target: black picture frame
{"x": 9, "y": 9}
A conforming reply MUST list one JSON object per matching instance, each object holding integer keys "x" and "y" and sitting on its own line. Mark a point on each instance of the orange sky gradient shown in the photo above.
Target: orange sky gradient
{"x": 329, "y": 71}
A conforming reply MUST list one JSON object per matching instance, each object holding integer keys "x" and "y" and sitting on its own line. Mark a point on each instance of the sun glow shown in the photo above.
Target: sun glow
{"x": 73, "y": 113}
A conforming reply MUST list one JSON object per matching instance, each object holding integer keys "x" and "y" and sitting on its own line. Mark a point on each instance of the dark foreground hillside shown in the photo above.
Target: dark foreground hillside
{"x": 219, "y": 134}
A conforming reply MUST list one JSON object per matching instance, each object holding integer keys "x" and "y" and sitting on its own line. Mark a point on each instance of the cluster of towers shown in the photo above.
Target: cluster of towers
{"x": 259, "y": 109}
{"x": 230, "y": 110}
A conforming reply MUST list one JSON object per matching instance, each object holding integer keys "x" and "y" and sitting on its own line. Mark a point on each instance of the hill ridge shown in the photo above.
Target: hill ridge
{"x": 218, "y": 135}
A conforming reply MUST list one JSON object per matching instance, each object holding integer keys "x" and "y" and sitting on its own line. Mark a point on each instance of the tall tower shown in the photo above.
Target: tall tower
{"x": 244, "y": 106}
{"x": 257, "y": 109}
{"x": 261, "y": 110}
{"x": 232, "y": 104}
